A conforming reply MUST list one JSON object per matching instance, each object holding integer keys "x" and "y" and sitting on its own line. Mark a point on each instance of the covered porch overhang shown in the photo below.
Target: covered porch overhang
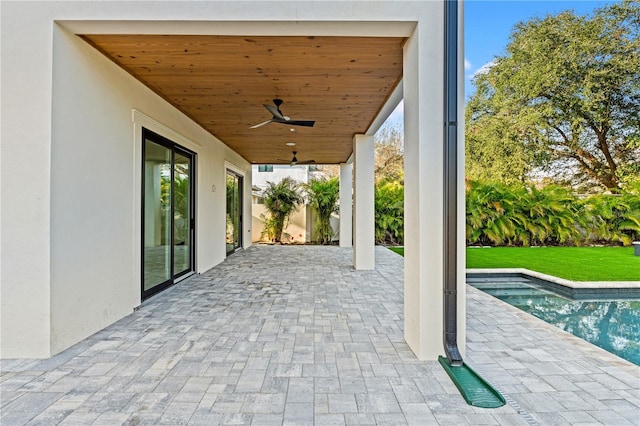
{"x": 345, "y": 76}
{"x": 348, "y": 77}
{"x": 201, "y": 74}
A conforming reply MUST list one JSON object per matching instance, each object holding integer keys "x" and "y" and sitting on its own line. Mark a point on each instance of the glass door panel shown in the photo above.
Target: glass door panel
{"x": 234, "y": 212}
{"x": 236, "y": 217}
{"x": 168, "y": 213}
{"x": 182, "y": 215}
{"x": 157, "y": 215}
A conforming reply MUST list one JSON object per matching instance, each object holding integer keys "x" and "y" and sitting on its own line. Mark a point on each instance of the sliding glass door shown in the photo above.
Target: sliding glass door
{"x": 182, "y": 213}
{"x": 168, "y": 213}
{"x": 234, "y": 212}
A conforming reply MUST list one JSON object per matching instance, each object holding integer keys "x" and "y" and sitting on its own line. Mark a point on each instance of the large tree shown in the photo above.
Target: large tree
{"x": 565, "y": 99}
{"x": 389, "y": 152}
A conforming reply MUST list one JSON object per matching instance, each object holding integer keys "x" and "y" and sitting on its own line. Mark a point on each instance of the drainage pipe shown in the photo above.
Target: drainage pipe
{"x": 450, "y": 336}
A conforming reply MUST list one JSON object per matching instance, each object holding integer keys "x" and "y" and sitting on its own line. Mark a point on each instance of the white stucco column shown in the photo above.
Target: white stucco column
{"x": 363, "y": 205}
{"x": 346, "y": 204}
{"x": 423, "y": 81}
{"x": 25, "y": 295}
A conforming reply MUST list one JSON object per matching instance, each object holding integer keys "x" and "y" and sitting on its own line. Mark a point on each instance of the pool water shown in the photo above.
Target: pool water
{"x": 613, "y": 325}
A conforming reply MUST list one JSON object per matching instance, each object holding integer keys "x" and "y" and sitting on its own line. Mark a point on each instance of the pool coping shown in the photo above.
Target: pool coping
{"x": 573, "y": 289}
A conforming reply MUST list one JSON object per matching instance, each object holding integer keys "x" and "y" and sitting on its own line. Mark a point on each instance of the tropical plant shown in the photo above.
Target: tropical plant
{"x": 269, "y": 228}
{"x": 499, "y": 214}
{"x": 389, "y": 212}
{"x": 519, "y": 215}
{"x": 281, "y": 200}
{"x": 489, "y": 209}
{"x": 181, "y": 201}
{"x": 181, "y": 204}
{"x": 322, "y": 196}
{"x": 614, "y": 218}
{"x": 552, "y": 216}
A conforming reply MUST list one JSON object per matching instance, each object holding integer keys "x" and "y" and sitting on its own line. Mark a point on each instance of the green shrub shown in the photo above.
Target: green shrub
{"x": 322, "y": 195}
{"x": 389, "y": 212}
{"x": 490, "y": 215}
{"x": 614, "y": 218}
{"x": 520, "y": 215}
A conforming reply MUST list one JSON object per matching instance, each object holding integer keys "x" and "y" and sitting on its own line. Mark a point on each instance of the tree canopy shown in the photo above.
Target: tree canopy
{"x": 564, "y": 99}
{"x": 389, "y": 153}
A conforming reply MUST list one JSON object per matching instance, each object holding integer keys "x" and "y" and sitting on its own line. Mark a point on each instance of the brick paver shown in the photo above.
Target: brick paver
{"x": 294, "y": 335}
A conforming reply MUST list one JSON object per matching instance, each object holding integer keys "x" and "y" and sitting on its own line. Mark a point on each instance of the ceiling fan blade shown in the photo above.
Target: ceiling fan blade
{"x": 261, "y": 124}
{"x": 275, "y": 112}
{"x": 306, "y": 162}
{"x": 306, "y": 123}
{"x": 278, "y": 117}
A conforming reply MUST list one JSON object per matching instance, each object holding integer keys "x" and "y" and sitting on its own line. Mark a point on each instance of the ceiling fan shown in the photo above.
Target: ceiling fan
{"x": 294, "y": 161}
{"x": 278, "y": 117}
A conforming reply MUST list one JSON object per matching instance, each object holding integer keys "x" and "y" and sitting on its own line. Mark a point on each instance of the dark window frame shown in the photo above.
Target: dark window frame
{"x": 240, "y": 181}
{"x": 173, "y": 147}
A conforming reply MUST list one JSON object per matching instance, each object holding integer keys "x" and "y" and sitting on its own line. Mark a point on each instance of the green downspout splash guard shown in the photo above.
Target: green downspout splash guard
{"x": 474, "y": 389}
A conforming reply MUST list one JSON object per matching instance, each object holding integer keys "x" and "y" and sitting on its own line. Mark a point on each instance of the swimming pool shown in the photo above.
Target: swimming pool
{"x": 613, "y": 325}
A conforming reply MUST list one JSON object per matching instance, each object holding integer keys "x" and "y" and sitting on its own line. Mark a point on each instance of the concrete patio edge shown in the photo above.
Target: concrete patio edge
{"x": 557, "y": 280}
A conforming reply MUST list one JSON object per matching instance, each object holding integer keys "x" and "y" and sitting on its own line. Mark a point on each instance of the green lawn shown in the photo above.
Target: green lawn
{"x": 399, "y": 250}
{"x": 572, "y": 263}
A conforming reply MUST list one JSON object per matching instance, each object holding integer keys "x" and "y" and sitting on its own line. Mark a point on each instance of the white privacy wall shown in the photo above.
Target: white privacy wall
{"x": 70, "y": 163}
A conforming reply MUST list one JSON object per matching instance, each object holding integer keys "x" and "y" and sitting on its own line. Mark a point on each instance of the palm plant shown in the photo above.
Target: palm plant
{"x": 631, "y": 223}
{"x": 389, "y": 212}
{"x": 490, "y": 218}
{"x": 555, "y": 216}
{"x": 499, "y": 214}
{"x": 281, "y": 200}
{"x": 322, "y": 194}
{"x": 614, "y": 218}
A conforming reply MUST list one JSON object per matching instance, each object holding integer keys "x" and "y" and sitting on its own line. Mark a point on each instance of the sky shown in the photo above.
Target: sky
{"x": 488, "y": 24}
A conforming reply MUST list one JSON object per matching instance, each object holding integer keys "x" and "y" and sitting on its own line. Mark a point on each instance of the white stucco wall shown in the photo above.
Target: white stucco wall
{"x": 70, "y": 187}
{"x": 299, "y": 173}
{"x": 71, "y": 227}
{"x": 26, "y": 151}
{"x": 295, "y": 229}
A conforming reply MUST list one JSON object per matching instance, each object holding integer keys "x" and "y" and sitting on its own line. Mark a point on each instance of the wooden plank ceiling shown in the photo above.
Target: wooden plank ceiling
{"x": 222, "y": 82}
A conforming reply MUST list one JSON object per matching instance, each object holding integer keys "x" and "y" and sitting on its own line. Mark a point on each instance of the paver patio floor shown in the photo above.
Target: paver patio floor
{"x": 294, "y": 335}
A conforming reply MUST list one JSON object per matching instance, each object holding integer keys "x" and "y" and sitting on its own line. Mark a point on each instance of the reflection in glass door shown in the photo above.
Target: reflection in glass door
{"x": 234, "y": 212}
{"x": 182, "y": 214}
{"x": 168, "y": 213}
{"x": 157, "y": 217}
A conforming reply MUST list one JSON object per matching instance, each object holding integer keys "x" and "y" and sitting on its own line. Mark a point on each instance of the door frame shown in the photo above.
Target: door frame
{"x": 240, "y": 181}
{"x": 174, "y": 147}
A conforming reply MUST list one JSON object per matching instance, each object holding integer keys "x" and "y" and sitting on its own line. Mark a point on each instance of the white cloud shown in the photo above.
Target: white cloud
{"x": 484, "y": 69}
{"x": 467, "y": 64}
